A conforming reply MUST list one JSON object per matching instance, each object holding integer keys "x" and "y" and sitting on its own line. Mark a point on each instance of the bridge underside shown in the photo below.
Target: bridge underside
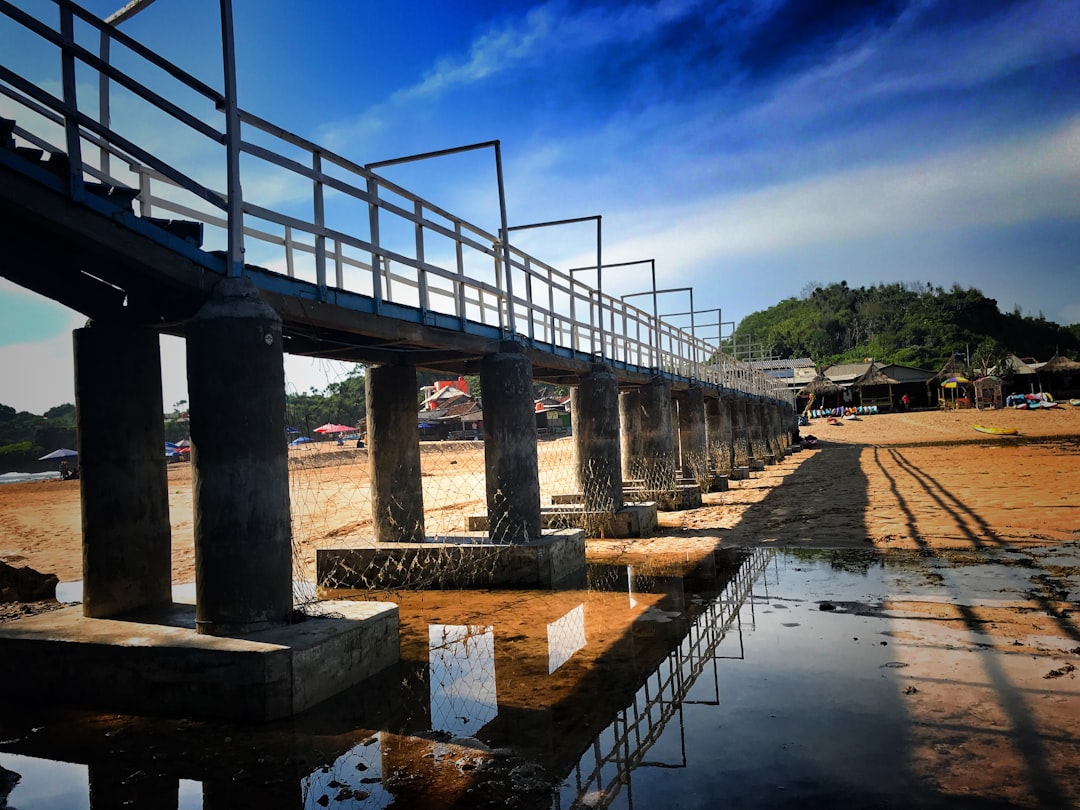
{"x": 96, "y": 257}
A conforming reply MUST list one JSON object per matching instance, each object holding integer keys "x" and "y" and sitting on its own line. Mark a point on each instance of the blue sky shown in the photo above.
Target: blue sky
{"x": 752, "y": 148}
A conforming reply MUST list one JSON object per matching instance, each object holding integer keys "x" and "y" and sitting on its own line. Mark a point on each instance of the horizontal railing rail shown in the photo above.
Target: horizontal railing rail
{"x": 307, "y": 213}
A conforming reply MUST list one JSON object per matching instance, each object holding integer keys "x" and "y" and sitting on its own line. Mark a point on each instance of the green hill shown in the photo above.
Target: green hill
{"x": 912, "y": 324}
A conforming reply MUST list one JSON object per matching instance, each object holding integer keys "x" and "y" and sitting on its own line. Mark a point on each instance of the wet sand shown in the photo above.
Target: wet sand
{"x": 993, "y": 710}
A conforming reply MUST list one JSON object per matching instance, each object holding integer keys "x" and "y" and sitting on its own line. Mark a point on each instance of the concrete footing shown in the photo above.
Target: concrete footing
{"x": 757, "y": 464}
{"x": 153, "y": 662}
{"x": 719, "y": 484}
{"x": 466, "y": 560}
{"x": 683, "y": 496}
{"x": 568, "y": 511}
{"x": 741, "y": 473}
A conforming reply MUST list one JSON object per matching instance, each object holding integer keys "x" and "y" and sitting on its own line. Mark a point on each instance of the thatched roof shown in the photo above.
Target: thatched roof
{"x": 1059, "y": 363}
{"x": 953, "y": 368}
{"x": 873, "y": 376}
{"x": 820, "y": 385}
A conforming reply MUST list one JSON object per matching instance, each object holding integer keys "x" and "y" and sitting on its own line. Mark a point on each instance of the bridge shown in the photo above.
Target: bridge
{"x": 251, "y": 242}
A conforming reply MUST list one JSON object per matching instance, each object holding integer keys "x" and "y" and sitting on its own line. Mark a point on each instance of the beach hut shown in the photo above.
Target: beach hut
{"x": 818, "y": 391}
{"x": 988, "y": 392}
{"x": 875, "y": 388}
{"x": 1060, "y": 376}
{"x": 949, "y": 392}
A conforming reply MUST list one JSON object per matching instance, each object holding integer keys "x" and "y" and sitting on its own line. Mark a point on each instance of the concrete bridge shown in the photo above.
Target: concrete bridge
{"x": 348, "y": 266}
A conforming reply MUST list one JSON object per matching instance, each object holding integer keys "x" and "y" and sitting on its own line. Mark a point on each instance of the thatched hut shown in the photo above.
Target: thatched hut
{"x": 875, "y": 388}
{"x": 818, "y": 390}
{"x": 1060, "y": 376}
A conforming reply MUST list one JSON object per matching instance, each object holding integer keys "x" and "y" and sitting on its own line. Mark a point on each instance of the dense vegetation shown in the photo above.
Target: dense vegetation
{"x": 911, "y": 324}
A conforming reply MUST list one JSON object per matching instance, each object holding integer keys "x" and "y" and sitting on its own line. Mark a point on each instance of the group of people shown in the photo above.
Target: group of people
{"x": 67, "y": 473}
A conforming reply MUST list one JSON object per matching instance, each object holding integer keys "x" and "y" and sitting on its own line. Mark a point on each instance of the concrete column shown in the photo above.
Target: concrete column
{"x": 510, "y": 459}
{"x": 740, "y": 438}
{"x": 127, "y": 556}
{"x": 755, "y": 430}
{"x": 718, "y": 432}
{"x": 692, "y": 434}
{"x": 236, "y": 390}
{"x": 595, "y": 413}
{"x": 658, "y": 457}
{"x": 630, "y": 420}
{"x": 397, "y": 496}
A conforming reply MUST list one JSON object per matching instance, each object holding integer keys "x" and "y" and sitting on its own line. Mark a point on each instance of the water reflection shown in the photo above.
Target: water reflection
{"x": 591, "y": 698}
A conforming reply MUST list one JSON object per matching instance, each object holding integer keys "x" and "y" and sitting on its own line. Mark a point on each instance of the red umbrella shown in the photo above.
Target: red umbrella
{"x": 332, "y": 428}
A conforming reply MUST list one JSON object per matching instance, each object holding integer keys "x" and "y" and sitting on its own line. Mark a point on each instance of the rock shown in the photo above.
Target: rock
{"x": 25, "y": 584}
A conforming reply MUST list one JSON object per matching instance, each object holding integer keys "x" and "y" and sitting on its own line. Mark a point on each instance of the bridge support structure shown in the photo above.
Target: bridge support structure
{"x": 599, "y": 505}
{"x": 693, "y": 444}
{"x": 240, "y": 652}
{"x": 507, "y": 547}
{"x": 718, "y": 439}
{"x": 127, "y": 553}
{"x": 397, "y": 496}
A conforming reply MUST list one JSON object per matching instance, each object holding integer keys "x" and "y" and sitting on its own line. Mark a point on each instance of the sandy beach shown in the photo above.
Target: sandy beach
{"x": 891, "y": 481}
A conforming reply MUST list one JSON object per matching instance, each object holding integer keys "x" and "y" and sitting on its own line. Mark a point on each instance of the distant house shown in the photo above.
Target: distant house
{"x": 795, "y": 372}
{"x": 448, "y": 411}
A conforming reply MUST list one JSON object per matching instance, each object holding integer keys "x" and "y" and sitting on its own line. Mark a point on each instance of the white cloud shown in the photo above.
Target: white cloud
{"x": 1004, "y": 184}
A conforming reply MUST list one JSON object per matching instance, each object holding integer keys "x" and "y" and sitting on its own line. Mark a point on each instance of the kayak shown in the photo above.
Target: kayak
{"x": 997, "y": 431}
{"x": 1074, "y": 401}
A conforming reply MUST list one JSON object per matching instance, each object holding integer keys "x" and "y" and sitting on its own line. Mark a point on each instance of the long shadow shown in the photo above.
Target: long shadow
{"x": 941, "y": 495}
{"x": 1026, "y": 735}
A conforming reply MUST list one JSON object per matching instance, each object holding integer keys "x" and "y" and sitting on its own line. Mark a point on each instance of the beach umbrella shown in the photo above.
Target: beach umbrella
{"x": 330, "y": 427}
{"x": 183, "y": 443}
{"x": 63, "y": 452}
{"x": 952, "y": 382}
{"x": 300, "y": 440}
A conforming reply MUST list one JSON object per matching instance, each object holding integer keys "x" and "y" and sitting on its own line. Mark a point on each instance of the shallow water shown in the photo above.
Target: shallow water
{"x": 748, "y": 680}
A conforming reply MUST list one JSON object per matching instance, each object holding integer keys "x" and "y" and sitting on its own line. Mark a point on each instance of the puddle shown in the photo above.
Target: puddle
{"x": 747, "y": 679}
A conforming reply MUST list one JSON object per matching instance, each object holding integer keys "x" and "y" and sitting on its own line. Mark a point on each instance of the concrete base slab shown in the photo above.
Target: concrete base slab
{"x": 684, "y": 496}
{"x": 633, "y": 520}
{"x": 740, "y": 473}
{"x": 153, "y": 662}
{"x": 757, "y": 464}
{"x": 719, "y": 484}
{"x": 465, "y": 560}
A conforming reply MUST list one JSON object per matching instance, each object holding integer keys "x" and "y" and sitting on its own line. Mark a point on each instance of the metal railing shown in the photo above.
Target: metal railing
{"x": 303, "y": 211}
{"x": 604, "y": 770}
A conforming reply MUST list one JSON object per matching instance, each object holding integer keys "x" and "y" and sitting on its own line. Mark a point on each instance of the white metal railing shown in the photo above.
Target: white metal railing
{"x": 304, "y": 211}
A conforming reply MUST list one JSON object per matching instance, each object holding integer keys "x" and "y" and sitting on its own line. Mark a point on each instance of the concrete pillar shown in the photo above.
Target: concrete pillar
{"x": 740, "y": 438}
{"x": 127, "y": 555}
{"x": 510, "y": 458}
{"x": 397, "y": 496}
{"x": 692, "y": 434}
{"x": 656, "y": 464}
{"x": 755, "y": 430}
{"x": 595, "y": 413}
{"x": 718, "y": 432}
{"x": 630, "y": 421}
{"x": 236, "y": 391}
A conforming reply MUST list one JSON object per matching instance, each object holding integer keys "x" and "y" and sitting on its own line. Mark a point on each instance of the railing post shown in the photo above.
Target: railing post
{"x": 235, "y": 211}
{"x": 320, "y": 225}
{"x": 376, "y": 257}
{"x": 71, "y": 100}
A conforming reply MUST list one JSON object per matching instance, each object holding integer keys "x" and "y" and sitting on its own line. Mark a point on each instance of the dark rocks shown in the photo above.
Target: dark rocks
{"x": 25, "y": 584}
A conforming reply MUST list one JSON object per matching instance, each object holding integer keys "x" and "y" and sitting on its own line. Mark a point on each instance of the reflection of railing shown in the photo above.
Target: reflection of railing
{"x": 297, "y": 209}
{"x": 621, "y": 747}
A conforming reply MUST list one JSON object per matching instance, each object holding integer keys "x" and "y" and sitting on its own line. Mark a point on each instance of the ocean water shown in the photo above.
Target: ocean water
{"x": 22, "y": 478}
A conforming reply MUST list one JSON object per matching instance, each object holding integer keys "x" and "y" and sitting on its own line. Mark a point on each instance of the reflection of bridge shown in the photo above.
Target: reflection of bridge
{"x": 606, "y": 768}
{"x": 252, "y": 242}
